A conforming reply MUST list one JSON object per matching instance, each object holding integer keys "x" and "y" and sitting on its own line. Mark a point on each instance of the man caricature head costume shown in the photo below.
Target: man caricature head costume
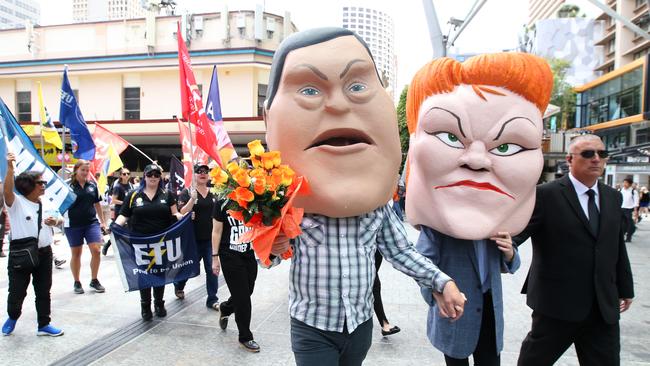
{"x": 333, "y": 122}
{"x": 475, "y": 153}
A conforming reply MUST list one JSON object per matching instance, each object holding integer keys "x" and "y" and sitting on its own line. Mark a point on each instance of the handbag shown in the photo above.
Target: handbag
{"x": 23, "y": 253}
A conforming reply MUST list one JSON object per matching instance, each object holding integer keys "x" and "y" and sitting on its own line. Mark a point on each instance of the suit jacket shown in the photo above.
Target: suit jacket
{"x": 571, "y": 267}
{"x": 457, "y": 258}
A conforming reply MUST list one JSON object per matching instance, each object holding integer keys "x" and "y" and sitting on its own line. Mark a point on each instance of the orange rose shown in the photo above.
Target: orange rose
{"x": 259, "y": 186}
{"x": 271, "y": 160}
{"x": 257, "y": 172}
{"x": 218, "y": 176}
{"x": 287, "y": 175}
{"x": 237, "y": 215}
{"x": 256, "y": 148}
{"x": 242, "y": 178}
{"x": 232, "y": 167}
{"x": 275, "y": 179}
{"x": 242, "y": 196}
{"x": 257, "y": 163}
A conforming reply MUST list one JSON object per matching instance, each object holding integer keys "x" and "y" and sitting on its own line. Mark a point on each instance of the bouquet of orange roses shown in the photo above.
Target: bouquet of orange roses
{"x": 262, "y": 198}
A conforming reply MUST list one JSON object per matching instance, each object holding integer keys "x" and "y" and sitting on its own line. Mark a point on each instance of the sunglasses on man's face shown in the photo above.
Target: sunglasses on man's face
{"x": 202, "y": 171}
{"x": 153, "y": 175}
{"x": 41, "y": 182}
{"x": 588, "y": 154}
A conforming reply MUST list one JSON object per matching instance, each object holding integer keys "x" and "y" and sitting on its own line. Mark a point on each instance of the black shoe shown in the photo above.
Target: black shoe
{"x": 146, "y": 310}
{"x": 2, "y": 254}
{"x": 250, "y": 346}
{"x": 159, "y": 309}
{"x": 94, "y": 284}
{"x": 105, "y": 247}
{"x": 59, "y": 262}
{"x": 628, "y": 240}
{"x": 392, "y": 330}
{"x": 223, "y": 319}
{"x": 180, "y": 294}
{"x": 78, "y": 289}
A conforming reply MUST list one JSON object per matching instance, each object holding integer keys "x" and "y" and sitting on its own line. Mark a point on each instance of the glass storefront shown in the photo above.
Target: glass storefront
{"x": 615, "y": 99}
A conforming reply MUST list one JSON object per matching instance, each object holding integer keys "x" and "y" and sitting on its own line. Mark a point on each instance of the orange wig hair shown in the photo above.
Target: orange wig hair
{"x": 521, "y": 73}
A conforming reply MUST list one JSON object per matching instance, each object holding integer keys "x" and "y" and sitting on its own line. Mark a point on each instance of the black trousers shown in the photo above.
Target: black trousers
{"x": 630, "y": 227}
{"x": 596, "y": 342}
{"x": 41, "y": 280}
{"x": 376, "y": 292}
{"x": 240, "y": 272}
{"x": 3, "y": 220}
{"x": 158, "y": 294}
{"x": 314, "y": 347}
{"x": 486, "y": 348}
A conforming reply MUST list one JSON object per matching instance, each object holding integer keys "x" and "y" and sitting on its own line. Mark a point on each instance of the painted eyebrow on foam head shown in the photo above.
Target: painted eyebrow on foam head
{"x": 508, "y": 121}
{"x": 460, "y": 127}
{"x": 315, "y": 70}
{"x": 347, "y": 67}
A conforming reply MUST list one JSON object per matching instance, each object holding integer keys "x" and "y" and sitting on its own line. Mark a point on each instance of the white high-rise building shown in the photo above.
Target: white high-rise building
{"x": 98, "y": 10}
{"x": 378, "y": 30}
{"x": 14, "y": 13}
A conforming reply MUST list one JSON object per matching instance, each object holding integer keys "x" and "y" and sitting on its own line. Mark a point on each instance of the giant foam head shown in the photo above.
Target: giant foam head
{"x": 475, "y": 153}
{"x": 330, "y": 117}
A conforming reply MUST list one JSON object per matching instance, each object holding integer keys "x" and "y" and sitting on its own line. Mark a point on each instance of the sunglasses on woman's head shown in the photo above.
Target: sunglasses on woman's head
{"x": 153, "y": 175}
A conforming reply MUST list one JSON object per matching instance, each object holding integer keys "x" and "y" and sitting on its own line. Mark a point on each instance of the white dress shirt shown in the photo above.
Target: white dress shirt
{"x": 583, "y": 197}
{"x": 630, "y": 198}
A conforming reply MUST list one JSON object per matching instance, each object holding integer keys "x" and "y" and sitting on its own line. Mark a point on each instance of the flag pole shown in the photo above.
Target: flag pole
{"x": 40, "y": 124}
{"x": 64, "y": 167}
{"x": 140, "y": 151}
{"x": 189, "y": 125}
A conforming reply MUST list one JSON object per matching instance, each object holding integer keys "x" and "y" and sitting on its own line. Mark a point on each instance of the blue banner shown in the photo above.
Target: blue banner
{"x": 213, "y": 104}
{"x": 70, "y": 116}
{"x": 155, "y": 260}
{"x": 57, "y": 192}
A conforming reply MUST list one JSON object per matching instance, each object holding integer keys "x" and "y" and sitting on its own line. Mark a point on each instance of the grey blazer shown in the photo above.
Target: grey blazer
{"x": 457, "y": 258}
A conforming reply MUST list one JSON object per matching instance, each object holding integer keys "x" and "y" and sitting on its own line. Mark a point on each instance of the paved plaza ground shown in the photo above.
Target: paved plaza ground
{"x": 106, "y": 329}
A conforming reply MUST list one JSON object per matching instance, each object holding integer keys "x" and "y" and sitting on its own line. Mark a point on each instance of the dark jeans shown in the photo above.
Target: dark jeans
{"x": 204, "y": 249}
{"x": 485, "y": 353}
{"x": 314, "y": 347}
{"x": 42, "y": 282}
{"x": 240, "y": 272}
{"x": 158, "y": 294}
{"x": 596, "y": 342}
{"x": 630, "y": 227}
{"x": 376, "y": 292}
{"x": 3, "y": 219}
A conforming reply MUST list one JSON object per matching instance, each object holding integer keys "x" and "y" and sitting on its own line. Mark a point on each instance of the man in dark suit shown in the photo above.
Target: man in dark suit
{"x": 580, "y": 277}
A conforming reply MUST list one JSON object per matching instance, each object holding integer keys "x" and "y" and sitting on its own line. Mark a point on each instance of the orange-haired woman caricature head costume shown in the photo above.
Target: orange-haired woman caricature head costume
{"x": 475, "y": 153}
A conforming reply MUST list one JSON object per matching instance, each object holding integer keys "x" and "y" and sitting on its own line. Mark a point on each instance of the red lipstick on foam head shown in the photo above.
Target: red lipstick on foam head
{"x": 482, "y": 186}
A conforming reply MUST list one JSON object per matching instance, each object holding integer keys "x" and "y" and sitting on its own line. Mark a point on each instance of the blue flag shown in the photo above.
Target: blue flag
{"x": 213, "y": 105}
{"x": 213, "y": 111}
{"x": 70, "y": 116}
{"x": 155, "y": 260}
{"x": 57, "y": 192}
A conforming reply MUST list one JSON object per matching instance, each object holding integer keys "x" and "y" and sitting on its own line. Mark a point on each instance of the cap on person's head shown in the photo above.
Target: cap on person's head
{"x": 151, "y": 168}
{"x": 198, "y": 167}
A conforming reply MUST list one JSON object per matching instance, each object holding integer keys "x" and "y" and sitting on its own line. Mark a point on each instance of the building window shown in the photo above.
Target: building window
{"x": 261, "y": 97}
{"x": 131, "y": 103}
{"x": 24, "y": 101}
{"x": 611, "y": 45}
{"x": 643, "y": 136}
{"x": 640, "y": 53}
{"x": 638, "y": 3}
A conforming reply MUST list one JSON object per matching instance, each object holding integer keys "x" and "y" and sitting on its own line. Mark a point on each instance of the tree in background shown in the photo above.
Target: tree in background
{"x": 563, "y": 94}
{"x": 401, "y": 123}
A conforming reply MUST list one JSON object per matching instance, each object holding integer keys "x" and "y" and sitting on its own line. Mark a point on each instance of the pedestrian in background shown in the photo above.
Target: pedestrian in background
{"x": 82, "y": 225}
{"x": 28, "y": 221}
{"x": 644, "y": 201}
{"x": 386, "y": 328}
{"x": 200, "y": 202}
{"x": 239, "y": 270}
{"x": 629, "y": 205}
{"x": 121, "y": 187}
{"x": 149, "y": 209}
{"x": 580, "y": 279}
{"x": 3, "y": 219}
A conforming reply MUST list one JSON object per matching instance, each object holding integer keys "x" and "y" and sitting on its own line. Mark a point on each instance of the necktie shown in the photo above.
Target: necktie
{"x": 594, "y": 217}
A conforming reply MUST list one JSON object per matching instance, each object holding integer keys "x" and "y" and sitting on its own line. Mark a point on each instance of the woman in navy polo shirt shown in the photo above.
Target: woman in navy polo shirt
{"x": 82, "y": 224}
{"x": 150, "y": 209}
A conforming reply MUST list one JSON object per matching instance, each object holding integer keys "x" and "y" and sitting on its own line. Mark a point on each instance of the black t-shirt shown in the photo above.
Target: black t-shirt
{"x": 82, "y": 212}
{"x": 120, "y": 190}
{"x": 232, "y": 230}
{"x": 148, "y": 216}
{"x": 202, "y": 213}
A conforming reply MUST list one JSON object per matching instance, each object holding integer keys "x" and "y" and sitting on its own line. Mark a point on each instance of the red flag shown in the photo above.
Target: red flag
{"x": 103, "y": 139}
{"x": 192, "y": 103}
{"x": 197, "y": 155}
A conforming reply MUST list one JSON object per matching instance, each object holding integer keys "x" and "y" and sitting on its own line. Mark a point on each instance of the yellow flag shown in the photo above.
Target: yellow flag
{"x": 109, "y": 165}
{"x": 47, "y": 127}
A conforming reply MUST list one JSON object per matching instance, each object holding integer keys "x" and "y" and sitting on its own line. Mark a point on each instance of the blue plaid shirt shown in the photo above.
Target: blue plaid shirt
{"x": 333, "y": 267}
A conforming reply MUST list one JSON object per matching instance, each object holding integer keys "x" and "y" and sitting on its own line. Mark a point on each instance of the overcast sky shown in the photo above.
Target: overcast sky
{"x": 495, "y": 28}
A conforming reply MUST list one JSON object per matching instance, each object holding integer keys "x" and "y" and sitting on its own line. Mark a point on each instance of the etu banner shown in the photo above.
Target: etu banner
{"x": 155, "y": 260}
